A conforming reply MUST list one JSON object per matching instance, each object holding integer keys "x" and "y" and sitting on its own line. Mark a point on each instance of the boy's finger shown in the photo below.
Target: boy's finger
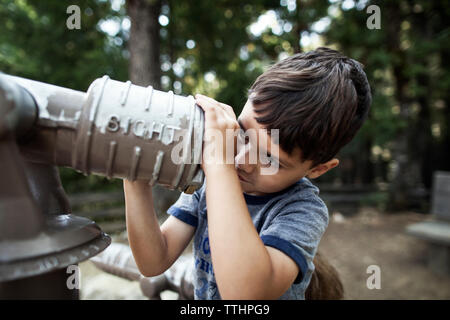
{"x": 227, "y": 108}
{"x": 210, "y": 100}
{"x": 210, "y": 111}
{"x": 207, "y": 105}
{"x": 221, "y": 108}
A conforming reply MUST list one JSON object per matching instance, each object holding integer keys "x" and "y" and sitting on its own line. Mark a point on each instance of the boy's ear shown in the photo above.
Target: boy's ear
{"x": 320, "y": 169}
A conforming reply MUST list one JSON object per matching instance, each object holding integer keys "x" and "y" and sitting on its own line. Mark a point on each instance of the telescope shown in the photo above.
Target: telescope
{"x": 115, "y": 129}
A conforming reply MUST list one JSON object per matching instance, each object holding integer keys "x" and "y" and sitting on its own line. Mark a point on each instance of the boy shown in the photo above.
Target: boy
{"x": 255, "y": 235}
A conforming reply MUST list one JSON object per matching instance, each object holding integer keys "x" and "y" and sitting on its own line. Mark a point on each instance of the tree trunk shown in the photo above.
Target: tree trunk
{"x": 144, "y": 68}
{"x": 443, "y": 149}
{"x": 423, "y": 139}
{"x": 406, "y": 169}
{"x": 443, "y": 158}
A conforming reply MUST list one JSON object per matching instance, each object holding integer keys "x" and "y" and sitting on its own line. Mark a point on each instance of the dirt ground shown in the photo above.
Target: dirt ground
{"x": 351, "y": 244}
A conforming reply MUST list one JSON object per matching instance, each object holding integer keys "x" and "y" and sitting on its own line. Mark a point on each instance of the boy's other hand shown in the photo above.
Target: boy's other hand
{"x": 220, "y": 132}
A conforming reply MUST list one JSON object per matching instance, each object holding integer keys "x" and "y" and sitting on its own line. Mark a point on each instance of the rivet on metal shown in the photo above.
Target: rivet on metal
{"x": 92, "y": 116}
{"x": 187, "y": 146}
{"x": 157, "y": 167}
{"x": 111, "y": 157}
{"x": 171, "y": 102}
{"x": 134, "y": 163}
{"x": 148, "y": 101}
{"x": 125, "y": 93}
{"x": 61, "y": 116}
{"x": 192, "y": 149}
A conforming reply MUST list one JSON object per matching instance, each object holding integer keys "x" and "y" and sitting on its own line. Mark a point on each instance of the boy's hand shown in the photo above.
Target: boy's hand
{"x": 220, "y": 129}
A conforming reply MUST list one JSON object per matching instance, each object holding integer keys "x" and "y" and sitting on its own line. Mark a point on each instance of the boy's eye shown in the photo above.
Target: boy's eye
{"x": 269, "y": 161}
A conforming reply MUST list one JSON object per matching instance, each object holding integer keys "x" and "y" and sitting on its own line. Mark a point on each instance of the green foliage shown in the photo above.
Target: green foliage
{"x": 35, "y": 43}
{"x": 378, "y": 200}
{"x": 75, "y": 182}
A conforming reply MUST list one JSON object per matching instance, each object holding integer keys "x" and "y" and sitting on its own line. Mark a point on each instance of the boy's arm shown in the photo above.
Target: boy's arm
{"x": 244, "y": 267}
{"x": 154, "y": 248}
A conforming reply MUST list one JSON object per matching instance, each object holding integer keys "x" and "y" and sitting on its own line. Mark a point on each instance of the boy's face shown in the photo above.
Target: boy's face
{"x": 290, "y": 167}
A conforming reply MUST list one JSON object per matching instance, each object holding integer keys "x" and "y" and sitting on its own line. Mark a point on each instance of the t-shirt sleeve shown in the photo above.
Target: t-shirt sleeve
{"x": 185, "y": 208}
{"x": 296, "y": 230}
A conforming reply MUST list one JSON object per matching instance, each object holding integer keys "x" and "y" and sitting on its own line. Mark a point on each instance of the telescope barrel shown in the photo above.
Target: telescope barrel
{"x": 118, "y": 130}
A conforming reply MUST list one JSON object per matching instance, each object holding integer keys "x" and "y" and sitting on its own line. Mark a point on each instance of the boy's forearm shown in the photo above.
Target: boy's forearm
{"x": 144, "y": 234}
{"x": 242, "y": 265}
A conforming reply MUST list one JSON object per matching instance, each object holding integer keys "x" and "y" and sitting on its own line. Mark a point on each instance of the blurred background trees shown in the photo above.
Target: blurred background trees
{"x": 219, "y": 47}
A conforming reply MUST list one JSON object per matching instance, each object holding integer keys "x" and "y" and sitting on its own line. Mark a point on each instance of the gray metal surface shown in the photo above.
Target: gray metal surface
{"x": 116, "y": 130}
{"x": 118, "y": 260}
{"x": 50, "y": 285}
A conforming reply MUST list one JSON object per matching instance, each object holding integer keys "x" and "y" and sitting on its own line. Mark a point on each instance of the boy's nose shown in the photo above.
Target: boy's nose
{"x": 242, "y": 160}
{"x": 247, "y": 168}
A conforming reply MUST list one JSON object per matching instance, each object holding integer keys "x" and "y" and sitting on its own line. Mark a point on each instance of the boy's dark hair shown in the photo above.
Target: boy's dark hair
{"x": 318, "y": 100}
{"x": 325, "y": 282}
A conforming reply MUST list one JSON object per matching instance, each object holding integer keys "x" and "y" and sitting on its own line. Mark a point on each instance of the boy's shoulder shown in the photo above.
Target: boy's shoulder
{"x": 304, "y": 185}
{"x": 302, "y": 193}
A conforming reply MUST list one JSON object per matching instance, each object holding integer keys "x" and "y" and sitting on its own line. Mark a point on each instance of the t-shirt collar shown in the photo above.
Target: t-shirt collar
{"x": 252, "y": 199}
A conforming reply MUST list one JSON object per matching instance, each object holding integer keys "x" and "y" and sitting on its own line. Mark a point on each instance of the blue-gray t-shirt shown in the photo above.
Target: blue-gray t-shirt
{"x": 292, "y": 220}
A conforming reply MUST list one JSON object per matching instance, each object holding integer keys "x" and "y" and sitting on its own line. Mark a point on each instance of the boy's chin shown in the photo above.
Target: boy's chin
{"x": 250, "y": 190}
{"x": 246, "y": 187}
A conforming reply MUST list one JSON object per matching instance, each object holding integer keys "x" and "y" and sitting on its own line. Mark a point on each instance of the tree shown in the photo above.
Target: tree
{"x": 403, "y": 62}
{"x": 144, "y": 43}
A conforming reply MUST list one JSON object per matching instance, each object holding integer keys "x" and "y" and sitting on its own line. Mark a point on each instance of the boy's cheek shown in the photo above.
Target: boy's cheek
{"x": 273, "y": 183}
{"x": 266, "y": 183}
